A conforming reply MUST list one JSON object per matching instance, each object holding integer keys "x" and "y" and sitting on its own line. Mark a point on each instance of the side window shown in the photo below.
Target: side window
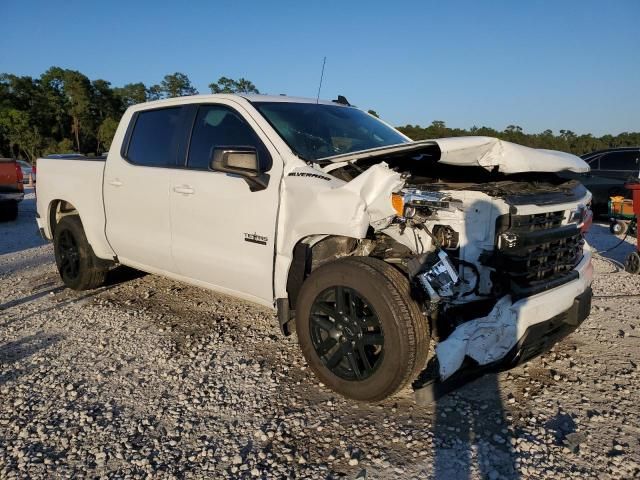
{"x": 620, "y": 161}
{"x": 219, "y": 126}
{"x": 153, "y": 140}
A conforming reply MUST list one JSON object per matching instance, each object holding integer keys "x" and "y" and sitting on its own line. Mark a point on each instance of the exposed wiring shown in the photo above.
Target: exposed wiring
{"x": 631, "y": 223}
{"x": 418, "y": 240}
{"x": 616, "y": 264}
{"x": 433, "y": 237}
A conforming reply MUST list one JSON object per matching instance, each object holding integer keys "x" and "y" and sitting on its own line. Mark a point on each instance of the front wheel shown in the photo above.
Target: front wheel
{"x": 78, "y": 266}
{"x": 360, "y": 330}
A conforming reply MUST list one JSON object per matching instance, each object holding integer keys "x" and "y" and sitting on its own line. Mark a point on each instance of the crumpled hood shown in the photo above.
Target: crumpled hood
{"x": 486, "y": 152}
{"x": 509, "y": 157}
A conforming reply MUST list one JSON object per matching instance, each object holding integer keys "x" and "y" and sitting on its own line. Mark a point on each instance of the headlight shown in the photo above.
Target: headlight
{"x": 583, "y": 216}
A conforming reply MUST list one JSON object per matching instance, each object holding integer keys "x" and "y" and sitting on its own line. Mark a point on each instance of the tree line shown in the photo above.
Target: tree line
{"x": 566, "y": 140}
{"x": 64, "y": 111}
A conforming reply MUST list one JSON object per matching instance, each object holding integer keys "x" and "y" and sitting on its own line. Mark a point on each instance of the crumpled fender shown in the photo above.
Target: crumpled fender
{"x": 315, "y": 203}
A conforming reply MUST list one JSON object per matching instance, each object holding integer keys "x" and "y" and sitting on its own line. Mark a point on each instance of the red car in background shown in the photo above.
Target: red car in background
{"x": 11, "y": 188}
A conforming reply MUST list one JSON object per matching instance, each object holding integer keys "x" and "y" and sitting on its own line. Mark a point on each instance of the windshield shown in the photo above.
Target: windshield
{"x": 315, "y": 131}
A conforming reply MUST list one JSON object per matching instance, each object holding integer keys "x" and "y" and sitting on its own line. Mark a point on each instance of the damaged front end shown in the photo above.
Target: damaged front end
{"x": 498, "y": 259}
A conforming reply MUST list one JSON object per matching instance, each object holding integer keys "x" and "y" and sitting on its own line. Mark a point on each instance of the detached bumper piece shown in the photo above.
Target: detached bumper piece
{"x": 537, "y": 339}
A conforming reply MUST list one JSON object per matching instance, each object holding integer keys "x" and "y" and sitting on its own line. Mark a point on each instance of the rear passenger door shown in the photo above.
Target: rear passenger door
{"x": 223, "y": 233}
{"x": 136, "y": 189}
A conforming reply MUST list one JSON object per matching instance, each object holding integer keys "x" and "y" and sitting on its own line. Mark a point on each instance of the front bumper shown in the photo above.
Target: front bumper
{"x": 551, "y": 303}
{"x": 540, "y": 337}
{"x": 542, "y": 321}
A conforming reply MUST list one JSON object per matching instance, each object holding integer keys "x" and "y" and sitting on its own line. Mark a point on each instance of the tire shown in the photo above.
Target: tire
{"x": 618, "y": 227}
{"x": 394, "y": 338}
{"x": 78, "y": 266}
{"x": 632, "y": 263}
{"x": 9, "y": 211}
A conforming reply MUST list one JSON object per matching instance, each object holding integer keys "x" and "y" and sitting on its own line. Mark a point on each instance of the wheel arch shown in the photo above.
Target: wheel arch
{"x": 309, "y": 253}
{"x": 59, "y": 208}
{"x": 312, "y": 251}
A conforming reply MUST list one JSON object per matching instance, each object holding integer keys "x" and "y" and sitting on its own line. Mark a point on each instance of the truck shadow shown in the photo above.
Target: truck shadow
{"x": 471, "y": 427}
{"x": 471, "y": 424}
{"x": 72, "y": 298}
{"x": 114, "y": 277}
{"x": 14, "y": 352}
{"x": 122, "y": 274}
{"x": 31, "y": 298}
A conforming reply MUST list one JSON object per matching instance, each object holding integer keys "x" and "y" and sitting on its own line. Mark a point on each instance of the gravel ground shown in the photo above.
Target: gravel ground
{"x": 147, "y": 377}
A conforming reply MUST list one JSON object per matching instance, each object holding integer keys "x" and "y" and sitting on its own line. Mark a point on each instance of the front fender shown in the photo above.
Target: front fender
{"x": 315, "y": 203}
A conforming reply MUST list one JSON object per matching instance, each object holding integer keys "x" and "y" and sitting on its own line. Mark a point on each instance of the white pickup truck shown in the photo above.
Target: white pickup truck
{"x": 369, "y": 245}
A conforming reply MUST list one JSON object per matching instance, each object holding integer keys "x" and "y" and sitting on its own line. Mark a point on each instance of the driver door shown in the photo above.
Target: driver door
{"x": 223, "y": 234}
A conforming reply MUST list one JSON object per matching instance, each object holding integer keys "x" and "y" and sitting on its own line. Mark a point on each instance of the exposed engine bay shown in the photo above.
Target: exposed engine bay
{"x": 473, "y": 241}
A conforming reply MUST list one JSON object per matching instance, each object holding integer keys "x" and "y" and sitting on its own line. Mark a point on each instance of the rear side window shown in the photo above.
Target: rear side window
{"x": 217, "y": 126}
{"x": 154, "y": 138}
{"x": 620, "y": 161}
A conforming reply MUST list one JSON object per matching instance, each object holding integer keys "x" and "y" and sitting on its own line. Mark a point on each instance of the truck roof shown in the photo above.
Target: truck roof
{"x": 284, "y": 99}
{"x": 250, "y": 97}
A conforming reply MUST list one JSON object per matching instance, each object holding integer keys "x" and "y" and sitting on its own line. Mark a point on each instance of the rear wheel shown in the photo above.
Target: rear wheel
{"x": 78, "y": 266}
{"x": 360, "y": 330}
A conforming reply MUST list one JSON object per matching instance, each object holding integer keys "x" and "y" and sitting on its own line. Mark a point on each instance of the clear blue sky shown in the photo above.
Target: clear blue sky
{"x": 537, "y": 64}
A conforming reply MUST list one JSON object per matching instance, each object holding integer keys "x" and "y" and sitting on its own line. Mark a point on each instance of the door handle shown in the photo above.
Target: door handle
{"x": 116, "y": 183}
{"x": 184, "y": 189}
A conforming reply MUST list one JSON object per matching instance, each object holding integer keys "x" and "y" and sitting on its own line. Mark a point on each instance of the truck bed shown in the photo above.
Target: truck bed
{"x": 79, "y": 182}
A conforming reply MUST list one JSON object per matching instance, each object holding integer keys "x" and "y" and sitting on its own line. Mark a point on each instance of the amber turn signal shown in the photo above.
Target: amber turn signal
{"x": 397, "y": 201}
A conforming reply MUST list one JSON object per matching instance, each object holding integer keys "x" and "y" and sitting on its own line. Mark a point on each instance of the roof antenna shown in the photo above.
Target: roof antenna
{"x": 321, "y": 77}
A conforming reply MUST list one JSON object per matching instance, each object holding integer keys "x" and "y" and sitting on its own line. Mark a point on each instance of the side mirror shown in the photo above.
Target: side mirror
{"x": 241, "y": 161}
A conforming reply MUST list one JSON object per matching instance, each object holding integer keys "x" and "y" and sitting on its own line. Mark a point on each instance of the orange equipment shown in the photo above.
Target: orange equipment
{"x": 632, "y": 263}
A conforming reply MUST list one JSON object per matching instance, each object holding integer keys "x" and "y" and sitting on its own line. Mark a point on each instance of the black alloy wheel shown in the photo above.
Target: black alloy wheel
{"x": 359, "y": 328}
{"x": 69, "y": 256}
{"x": 346, "y": 333}
{"x": 78, "y": 266}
